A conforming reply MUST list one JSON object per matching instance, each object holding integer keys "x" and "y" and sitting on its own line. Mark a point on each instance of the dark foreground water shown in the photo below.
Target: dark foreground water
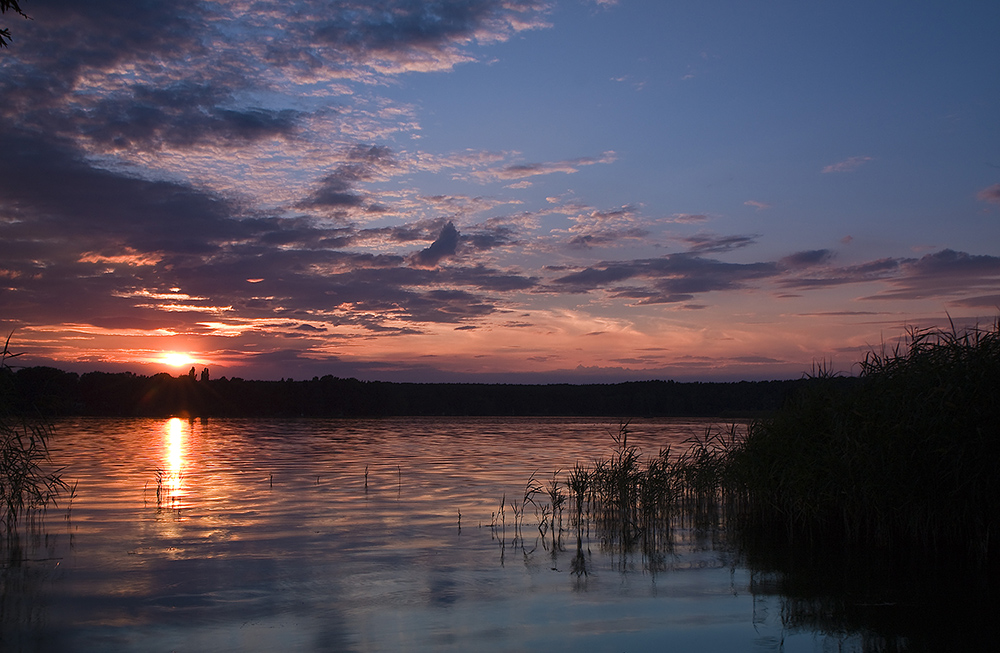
{"x": 326, "y": 535}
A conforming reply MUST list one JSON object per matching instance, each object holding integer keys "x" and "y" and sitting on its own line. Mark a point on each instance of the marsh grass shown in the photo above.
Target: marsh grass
{"x": 904, "y": 458}
{"x": 27, "y": 484}
{"x": 907, "y": 458}
{"x": 628, "y": 500}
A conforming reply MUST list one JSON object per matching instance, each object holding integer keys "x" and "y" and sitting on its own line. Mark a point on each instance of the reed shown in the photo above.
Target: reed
{"x": 27, "y": 484}
{"x": 908, "y": 457}
{"x": 628, "y": 500}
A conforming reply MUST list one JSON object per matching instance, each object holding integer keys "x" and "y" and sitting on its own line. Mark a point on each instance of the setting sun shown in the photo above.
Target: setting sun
{"x": 176, "y": 359}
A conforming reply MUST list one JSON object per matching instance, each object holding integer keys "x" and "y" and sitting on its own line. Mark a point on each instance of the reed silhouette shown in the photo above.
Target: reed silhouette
{"x": 906, "y": 459}
{"x": 28, "y": 484}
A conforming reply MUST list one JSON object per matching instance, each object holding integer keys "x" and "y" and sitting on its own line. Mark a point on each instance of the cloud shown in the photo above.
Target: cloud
{"x": 594, "y": 227}
{"x": 446, "y": 245}
{"x": 337, "y": 190}
{"x": 807, "y": 258}
{"x": 877, "y": 270}
{"x": 108, "y": 248}
{"x": 990, "y": 194}
{"x": 97, "y": 208}
{"x": 946, "y": 273}
{"x": 678, "y": 278}
{"x": 671, "y": 279}
{"x": 981, "y": 301}
{"x": 606, "y": 237}
{"x": 688, "y": 218}
{"x": 394, "y": 36}
{"x": 756, "y": 359}
{"x": 179, "y": 115}
{"x": 233, "y": 170}
{"x": 491, "y": 236}
{"x": 847, "y": 165}
{"x": 712, "y": 243}
{"x": 525, "y": 170}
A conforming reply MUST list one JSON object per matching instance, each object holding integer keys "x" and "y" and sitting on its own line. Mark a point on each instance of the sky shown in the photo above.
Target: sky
{"x": 521, "y": 191}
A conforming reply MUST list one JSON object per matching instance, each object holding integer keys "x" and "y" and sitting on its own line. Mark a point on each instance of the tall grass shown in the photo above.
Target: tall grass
{"x": 908, "y": 457}
{"x": 905, "y": 457}
{"x": 631, "y": 501}
{"x": 27, "y": 485}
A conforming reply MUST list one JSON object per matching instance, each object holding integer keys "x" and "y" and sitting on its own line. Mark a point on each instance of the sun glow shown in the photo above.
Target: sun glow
{"x": 176, "y": 359}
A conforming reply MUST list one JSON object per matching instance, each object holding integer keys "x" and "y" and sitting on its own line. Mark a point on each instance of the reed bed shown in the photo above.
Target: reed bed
{"x": 906, "y": 457}
{"x": 27, "y": 483}
{"x": 629, "y": 501}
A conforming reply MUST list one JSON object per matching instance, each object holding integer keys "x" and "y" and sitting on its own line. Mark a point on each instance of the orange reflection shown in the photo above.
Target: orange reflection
{"x": 173, "y": 455}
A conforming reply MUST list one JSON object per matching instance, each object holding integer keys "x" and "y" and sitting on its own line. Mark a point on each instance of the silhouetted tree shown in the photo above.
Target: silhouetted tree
{"x": 11, "y": 5}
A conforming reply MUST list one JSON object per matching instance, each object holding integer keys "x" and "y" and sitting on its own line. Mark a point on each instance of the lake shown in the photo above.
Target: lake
{"x": 369, "y": 535}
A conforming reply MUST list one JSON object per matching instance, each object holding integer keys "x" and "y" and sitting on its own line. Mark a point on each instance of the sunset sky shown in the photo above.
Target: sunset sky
{"x": 494, "y": 190}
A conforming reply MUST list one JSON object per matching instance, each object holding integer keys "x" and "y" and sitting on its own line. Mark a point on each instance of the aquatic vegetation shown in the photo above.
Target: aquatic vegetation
{"x": 27, "y": 487}
{"x": 907, "y": 457}
{"x": 626, "y": 500}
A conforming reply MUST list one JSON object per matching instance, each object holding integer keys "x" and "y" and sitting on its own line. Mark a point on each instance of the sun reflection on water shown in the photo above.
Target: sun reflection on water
{"x": 173, "y": 458}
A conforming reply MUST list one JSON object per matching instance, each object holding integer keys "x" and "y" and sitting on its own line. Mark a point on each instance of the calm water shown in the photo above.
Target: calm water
{"x": 358, "y": 536}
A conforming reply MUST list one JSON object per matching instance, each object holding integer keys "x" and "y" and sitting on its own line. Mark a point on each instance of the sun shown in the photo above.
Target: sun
{"x": 176, "y": 359}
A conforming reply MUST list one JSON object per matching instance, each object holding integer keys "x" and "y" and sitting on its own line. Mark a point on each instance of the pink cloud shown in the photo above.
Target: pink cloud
{"x": 991, "y": 194}
{"x": 525, "y": 170}
{"x": 847, "y": 165}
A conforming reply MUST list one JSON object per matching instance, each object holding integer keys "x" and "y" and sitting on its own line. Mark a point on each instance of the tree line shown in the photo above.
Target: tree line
{"x": 58, "y": 393}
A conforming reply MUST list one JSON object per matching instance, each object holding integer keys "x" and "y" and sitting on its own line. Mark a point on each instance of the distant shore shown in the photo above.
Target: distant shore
{"x": 58, "y": 393}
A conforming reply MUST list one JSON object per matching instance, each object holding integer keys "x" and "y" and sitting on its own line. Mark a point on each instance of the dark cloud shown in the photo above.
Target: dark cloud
{"x": 865, "y": 272}
{"x": 490, "y": 237}
{"x": 446, "y": 245}
{"x": 448, "y": 306}
{"x": 337, "y": 190}
{"x": 421, "y": 230}
{"x": 71, "y": 201}
{"x": 65, "y": 41}
{"x": 756, "y": 359}
{"x": 944, "y": 273}
{"x": 940, "y": 274}
{"x": 982, "y": 301}
{"x": 672, "y": 278}
{"x": 714, "y": 244}
{"x": 180, "y": 115}
{"x": 807, "y": 259}
{"x": 372, "y": 154}
{"x": 381, "y": 29}
{"x": 607, "y": 237}
{"x": 65, "y": 36}
{"x": 113, "y": 250}
{"x": 487, "y": 279}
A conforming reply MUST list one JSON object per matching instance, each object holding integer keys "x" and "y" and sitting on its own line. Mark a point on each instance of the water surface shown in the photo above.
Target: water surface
{"x": 369, "y": 535}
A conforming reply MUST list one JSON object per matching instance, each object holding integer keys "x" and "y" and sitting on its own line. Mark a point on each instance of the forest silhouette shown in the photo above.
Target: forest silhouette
{"x": 59, "y": 393}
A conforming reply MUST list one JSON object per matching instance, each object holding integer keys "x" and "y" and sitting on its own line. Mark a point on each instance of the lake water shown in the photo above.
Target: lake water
{"x": 368, "y": 535}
